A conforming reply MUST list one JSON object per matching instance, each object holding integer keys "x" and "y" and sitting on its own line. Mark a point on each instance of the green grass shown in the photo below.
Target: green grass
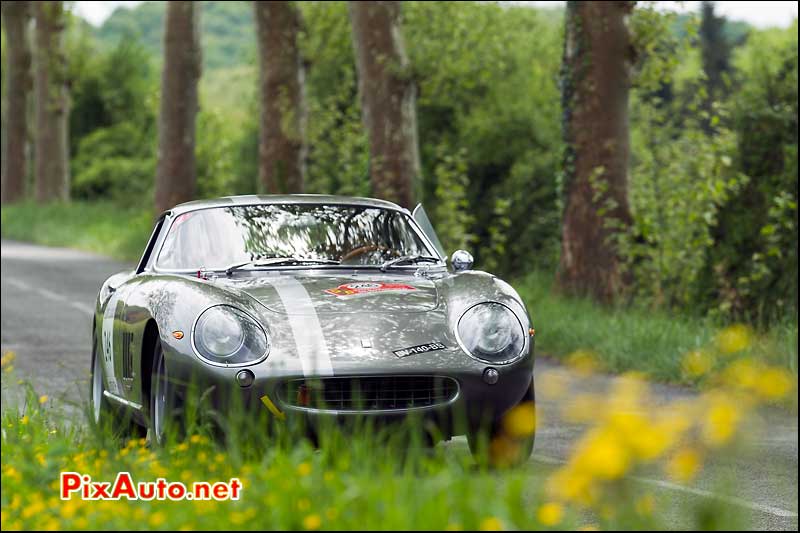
{"x": 623, "y": 339}
{"x": 116, "y": 231}
{"x": 355, "y": 480}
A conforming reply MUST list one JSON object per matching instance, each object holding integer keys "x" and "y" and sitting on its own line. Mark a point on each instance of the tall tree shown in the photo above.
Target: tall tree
{"x": 388, "y": 99}
{"x": 281, "y": 148}
{"x": 176, "y": 173}
{"x": 598, "y": 56}
{"x": 51, "y": 170}
{"x": 18, "y": 84}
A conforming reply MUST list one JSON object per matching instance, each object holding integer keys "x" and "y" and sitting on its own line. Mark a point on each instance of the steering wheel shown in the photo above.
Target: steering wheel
{"x": 362, "y": 250}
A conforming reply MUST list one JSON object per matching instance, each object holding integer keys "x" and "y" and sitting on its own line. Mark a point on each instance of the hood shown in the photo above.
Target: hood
{"x": 331, "y": 294}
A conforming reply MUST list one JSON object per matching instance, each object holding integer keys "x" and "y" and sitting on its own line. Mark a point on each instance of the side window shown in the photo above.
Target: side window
{"x": 148, "y": 251}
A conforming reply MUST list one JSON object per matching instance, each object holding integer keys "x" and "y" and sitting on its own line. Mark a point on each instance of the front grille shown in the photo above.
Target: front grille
{"x": 369, "y": 393}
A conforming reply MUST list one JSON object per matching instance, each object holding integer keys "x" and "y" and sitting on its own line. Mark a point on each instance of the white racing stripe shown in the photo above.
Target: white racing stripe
{"x": 733, "y": 500}
{"x": 306, "y": 329}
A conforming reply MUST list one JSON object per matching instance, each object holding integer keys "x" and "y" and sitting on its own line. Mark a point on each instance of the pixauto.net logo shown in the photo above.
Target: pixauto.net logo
{"x": 82, "y": 486}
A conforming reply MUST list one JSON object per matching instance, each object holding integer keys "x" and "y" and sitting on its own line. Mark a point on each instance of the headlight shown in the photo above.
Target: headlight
{"x": 491, "y": 332}
{"x": 224, "y": 335}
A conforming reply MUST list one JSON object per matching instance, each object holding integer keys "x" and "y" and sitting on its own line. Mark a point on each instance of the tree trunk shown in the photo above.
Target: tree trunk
{"x": 595, "y": 82}
{"x": 18, "y": 84}
{"x": 388, "y": 99}
{"x": 175, "y": 174}
{"x": 281, "y": 149}
{"x": 51, "y": 169}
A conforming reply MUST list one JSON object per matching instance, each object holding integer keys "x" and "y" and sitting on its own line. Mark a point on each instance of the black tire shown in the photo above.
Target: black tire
{"x": 102, "y": 414}
{"x": 496, "y": 447}
{"x": 164, "y": 416}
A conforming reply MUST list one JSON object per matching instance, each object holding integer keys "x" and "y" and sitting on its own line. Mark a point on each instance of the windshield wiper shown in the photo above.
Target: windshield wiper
{"x": 277, "y": 261}
{"x": 408, "y": 259}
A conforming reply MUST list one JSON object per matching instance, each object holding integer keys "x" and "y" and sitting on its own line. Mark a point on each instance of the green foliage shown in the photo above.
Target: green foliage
{"x": 683, "y": 177}
{"x": 752, "y": 271}
{"x": 227, "y": 30}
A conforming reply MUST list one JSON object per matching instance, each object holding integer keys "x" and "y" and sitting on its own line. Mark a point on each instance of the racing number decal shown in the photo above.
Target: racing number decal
{"x": 357, "y": 289}
{"x": 108, "y": 343}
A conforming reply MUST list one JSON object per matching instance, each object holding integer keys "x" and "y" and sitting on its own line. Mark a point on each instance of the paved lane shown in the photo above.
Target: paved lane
{"x": 47, "y": 300}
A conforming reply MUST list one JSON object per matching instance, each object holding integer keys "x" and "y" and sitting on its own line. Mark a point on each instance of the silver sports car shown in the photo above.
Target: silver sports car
{"x": 312, "y": 307}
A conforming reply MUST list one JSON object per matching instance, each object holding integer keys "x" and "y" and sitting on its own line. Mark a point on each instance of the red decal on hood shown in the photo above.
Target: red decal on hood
{"x": 355, "y": 289}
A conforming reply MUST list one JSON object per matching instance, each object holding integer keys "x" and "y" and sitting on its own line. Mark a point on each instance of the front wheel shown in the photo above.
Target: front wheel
{"x": 509, "y": 439}
{"x": 164, "y": 416}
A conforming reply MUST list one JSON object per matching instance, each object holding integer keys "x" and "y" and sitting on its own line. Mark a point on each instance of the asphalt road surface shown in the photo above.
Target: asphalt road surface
{"x": 48, "y": 297}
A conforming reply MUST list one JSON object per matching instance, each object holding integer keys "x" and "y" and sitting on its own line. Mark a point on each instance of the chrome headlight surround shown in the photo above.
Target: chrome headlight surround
{"x": 505, "y": 329}
{"x": 248, "y": 342}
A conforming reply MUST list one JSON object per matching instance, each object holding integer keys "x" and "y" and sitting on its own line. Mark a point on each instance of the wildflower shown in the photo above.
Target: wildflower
{"x": 157, "y": 518}
{"x": 43, "y": 399}
{"x": 600, "y": 453}
{"x": 722, "y": 419}
{"x": 7, "y": 358}
{"x": 697, "y": 363}
{"x": 304, "y": 469}
{"x": 734, "y": 339}
{"x": 684, "y": 464}
{"x": 773, "y": 384}
{"x": 550, "y": 514}
{"x": 491, "y": 523}
{"x": 312, "y": 521}
{"x": 584, "y": 362}
{"x": 24, "y": 420}
{"x": 520, "y": 421}
{"x": 589, "y": 527}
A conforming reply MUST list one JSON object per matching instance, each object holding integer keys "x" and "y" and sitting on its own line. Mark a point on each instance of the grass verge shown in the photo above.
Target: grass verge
{"x": 116, "y": 231}
{"x": 658, "y": 344}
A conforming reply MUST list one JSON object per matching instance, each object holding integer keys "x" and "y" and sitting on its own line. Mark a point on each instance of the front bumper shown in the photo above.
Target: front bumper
{"x": 476, "y": 403}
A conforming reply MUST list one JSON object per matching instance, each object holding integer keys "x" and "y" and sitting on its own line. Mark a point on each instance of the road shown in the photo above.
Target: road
{"x": 47, "y": 300}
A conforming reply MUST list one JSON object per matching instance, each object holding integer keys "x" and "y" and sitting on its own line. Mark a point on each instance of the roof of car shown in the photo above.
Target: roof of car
{"x": 265, "y": 199}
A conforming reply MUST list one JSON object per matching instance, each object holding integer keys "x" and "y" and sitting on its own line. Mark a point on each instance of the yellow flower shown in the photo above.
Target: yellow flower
{"x": 550, "y": 514}
{"x": 43, "y": 399}
{"x": 773, "y": 383}
{"x": 600, "y": 453}
{"x": 312, "y": 521}
{"x": 734, "y": 339}
{"x": 491, "y": 523}
{"x": 304, "y": 469}
{"x": 157, "y": 518}
{"x": 589, "y": 527}
{"x": 24, "y": 420}
{"x": 7, "y": 358}
{"x": 584, "y": 362}
{"x": 722, "y": 418}
{"x": 684, "y": 464}
{"x": 697, "y": 363}
{"x": 520, "y": 421}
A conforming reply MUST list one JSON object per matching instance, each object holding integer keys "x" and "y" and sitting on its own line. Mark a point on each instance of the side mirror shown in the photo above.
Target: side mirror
{"x": 461, "y": 260}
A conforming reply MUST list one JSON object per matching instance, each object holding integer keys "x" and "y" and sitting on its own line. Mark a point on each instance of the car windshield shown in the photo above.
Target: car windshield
{"x": 216, "y": 238}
